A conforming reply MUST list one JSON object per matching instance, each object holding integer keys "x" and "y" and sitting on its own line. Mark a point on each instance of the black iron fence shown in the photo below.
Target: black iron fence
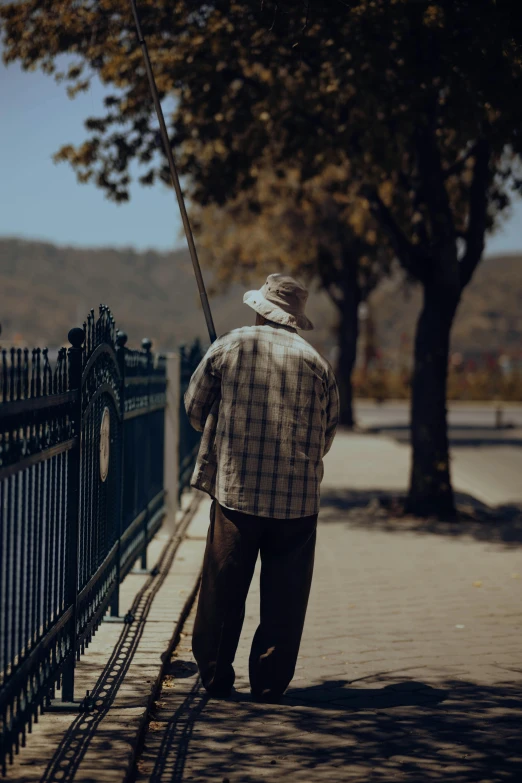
{"x": 81, "y": 496}
{"x": 38, "y": 445}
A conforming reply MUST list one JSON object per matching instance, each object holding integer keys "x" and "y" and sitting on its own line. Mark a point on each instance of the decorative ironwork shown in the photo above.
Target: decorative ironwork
{"x": 37, "y": 437}
{"x": 144, "y": 423}
{"x": 81, "y": 496}
{"x": 99, "y": 498}
{"x": 105, "y": 444}
{"x": 34, "y": 403}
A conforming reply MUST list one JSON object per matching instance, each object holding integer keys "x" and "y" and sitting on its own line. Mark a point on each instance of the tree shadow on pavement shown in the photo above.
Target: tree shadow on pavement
{"x": 381, "y": 510}
{"x": 332, "y": 731}
{"x": 336, "y": 693}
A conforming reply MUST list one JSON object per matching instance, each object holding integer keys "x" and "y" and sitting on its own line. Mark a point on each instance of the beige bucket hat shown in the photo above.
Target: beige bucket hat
{"x": 282, "y": 300}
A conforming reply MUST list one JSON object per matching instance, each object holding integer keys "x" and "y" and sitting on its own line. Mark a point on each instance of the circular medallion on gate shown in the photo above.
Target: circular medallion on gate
{"x": 105, "y": 443}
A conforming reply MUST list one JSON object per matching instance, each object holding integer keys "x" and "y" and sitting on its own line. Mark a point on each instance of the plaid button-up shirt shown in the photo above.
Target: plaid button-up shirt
{"x": 267, "y": 404}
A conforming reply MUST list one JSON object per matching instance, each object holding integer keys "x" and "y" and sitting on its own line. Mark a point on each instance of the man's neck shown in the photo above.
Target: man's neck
{"x": 279, "y": 326}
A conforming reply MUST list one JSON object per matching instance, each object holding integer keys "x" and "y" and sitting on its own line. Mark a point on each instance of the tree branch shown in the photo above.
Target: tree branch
{"x": 478, "y": 212}
{"x": 337, "y": 300}
{"x": 329, "y": 277}
{"x": 457, "y": 167}
{"x": 434, "y": 192}
{"x": 408, "y": 256}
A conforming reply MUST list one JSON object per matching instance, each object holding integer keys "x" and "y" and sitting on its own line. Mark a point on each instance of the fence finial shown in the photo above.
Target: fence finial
{"x": 76, "y": 337}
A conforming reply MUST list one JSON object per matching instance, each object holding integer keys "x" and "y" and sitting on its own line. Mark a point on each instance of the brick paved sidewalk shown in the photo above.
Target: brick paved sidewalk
{"x": 410, "y": 668}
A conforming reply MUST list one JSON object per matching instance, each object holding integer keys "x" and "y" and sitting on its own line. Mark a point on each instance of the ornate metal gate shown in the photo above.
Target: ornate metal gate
{"x": 81, "y": 496}
{"x": 100, "y": 472}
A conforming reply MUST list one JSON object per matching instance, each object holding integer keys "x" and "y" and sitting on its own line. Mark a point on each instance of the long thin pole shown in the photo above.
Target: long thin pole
{"x": 175, "y": 178}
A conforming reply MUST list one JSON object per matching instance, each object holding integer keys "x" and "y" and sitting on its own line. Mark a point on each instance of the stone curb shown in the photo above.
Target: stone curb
{"x": 122, "y": 671}
{"x": 166, "y": 653}
{"x": 395, "y": 401}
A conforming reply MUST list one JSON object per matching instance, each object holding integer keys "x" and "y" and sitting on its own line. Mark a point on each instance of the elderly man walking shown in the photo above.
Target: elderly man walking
{"x": 267, "y": 404}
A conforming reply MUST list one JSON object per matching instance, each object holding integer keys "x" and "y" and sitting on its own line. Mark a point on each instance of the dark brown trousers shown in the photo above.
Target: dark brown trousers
{"x": 287, "y": 558}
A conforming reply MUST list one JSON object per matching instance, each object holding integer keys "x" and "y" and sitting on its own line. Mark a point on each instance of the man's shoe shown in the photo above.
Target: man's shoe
{"x": 217, "y": 692}
{"x": 267, "y": 697}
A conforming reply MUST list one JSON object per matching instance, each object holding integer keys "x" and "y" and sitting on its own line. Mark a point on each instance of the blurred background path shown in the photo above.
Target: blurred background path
{"x": 486, "y": 460}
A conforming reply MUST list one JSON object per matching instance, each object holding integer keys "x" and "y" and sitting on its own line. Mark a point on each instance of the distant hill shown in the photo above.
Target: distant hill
{"x": 489, "y": 318}
{"x": 46, "y": 289}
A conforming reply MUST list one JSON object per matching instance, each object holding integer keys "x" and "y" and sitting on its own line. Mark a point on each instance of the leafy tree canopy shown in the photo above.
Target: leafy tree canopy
{"x": 305, "y": 227}
{"x": 314, "y": 82}
{"x": 342, "y": 81}
{"x": 385, "y": 83}
{"x": 412, "y": 94}
{"x": 418, "y": 102}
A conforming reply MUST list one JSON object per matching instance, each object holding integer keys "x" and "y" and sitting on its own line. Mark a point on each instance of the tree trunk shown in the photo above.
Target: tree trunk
{"x": 347, "y": 336}
{"x": 430, "y": 484}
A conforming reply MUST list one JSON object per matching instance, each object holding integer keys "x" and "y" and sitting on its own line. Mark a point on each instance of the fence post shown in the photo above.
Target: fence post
{"x": 76, "y": 338}
{"x": 171, "y": 460}
{"x": 146, "y": 345}
{"x": 121, "y": 340}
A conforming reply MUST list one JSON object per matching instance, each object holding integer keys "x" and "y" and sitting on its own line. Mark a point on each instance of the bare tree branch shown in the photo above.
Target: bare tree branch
{"x": 478, "y": 212}
{"x": 434, "y": 193}
{"x": 330, "y": 277}
{"x": 457, "y": 167}
{"x": 337, "y": 300}
{"x": 407, "y": 255}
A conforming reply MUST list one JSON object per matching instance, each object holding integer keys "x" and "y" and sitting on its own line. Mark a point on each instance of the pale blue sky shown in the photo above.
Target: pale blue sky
{"x": 42, "y": 200}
